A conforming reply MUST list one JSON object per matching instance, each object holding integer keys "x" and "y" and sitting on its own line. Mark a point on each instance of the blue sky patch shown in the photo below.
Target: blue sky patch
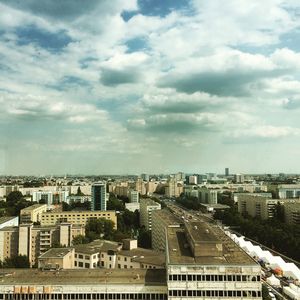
{"x": 137, "y": 44}
{"x": 53, "y": 42}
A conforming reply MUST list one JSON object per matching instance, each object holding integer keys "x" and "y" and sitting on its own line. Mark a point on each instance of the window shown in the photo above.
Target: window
{"x": 80, "y": 264}
{"x": 87, "y": 265}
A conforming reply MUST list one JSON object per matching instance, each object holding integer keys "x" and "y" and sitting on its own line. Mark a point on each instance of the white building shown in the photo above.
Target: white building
{"x": 134, "y": 196}
{"x": 45, "y": 196}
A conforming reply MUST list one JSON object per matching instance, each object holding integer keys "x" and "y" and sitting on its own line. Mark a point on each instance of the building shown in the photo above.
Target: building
{"x": 140, "y": 186}
{"x": 173, "y": 188}
{"x": 208, "y": 196}
{"x": 8, "y": 221}
{"x": 263, "y": 194}
{"x": 99, "y": 196}
{"x": 146, "y": 207}
{"x": 292, "y": 212}
{"x": 9, "y": 240}
{"x": 193, "y": 179}
{"x": 239, "y": 178}
{"x": 78, "y": 199}
{"x": 132, "y": 206}
{"x": 288, "y": 191}
{"x": 32, "y": 214}
{"x": 140, "y": 284}
{"x": 226, "y": 171}
{"x": 36, "y": 240}
{"x": 151, "y": 187}
{"x": 257, "y": 206}
{"x": 56, "y": 259}
{"x": 134, "y": 197}
{"x": 76, "y": 217}
{"x": 145, "y": 177}
{"x": 161, "y": 219}
{"x": 202, "y": 262}
{"x": 44, "y": 196}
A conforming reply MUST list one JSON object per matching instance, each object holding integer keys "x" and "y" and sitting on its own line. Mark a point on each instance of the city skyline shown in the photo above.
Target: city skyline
{"x": 124, "y": 87}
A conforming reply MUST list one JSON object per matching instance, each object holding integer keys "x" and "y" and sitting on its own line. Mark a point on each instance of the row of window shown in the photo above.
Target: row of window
{"x": 211, "y": 293}
{"x": 213, "y": 277}
{"x": 118, "y": 296}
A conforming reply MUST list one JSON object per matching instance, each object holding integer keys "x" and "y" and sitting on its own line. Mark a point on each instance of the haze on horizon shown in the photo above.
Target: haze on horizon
{"x": 155, "y": 86}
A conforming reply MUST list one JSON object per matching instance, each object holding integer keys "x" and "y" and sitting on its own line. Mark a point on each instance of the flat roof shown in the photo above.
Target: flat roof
{"x": 144, "y": 256}
{"x": 6, "y": 219}
{"x": 167, "y": 216}
{"x": 83, "y": 277}
{"x": 179, "y": 251}
{"x": 78, "y": 212}
{"x": 97, "y": 246}
{"x": 56, "y": 253}
{"x": 32, "y": 207}
{"x": 201, "y": 232}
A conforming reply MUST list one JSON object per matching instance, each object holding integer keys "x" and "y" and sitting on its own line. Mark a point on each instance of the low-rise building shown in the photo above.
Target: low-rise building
{"x": 32, "y": 214}
{"x": 57, "y": 258}
{"x": 146, "y": 207}
{"x": 76, "y": 217}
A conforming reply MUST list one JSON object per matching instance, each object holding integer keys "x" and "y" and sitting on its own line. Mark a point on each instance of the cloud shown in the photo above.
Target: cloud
{"x": 115, "y": 77}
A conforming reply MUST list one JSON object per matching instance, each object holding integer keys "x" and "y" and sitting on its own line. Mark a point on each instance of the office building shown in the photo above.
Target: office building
{"x": 76, "y": 217}
{"x": 161, "y": 219}
{"x": 99, "y": 196}
{"x": 288, "y": 191}
{"x": 146, "y": 207}
{"x": 226, "y": 171}
{"x": 203, "y": 263}
{"x": 32, "y": 214}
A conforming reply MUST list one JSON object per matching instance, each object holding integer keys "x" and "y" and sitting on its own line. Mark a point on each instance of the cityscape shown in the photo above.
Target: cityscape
{"x": 149, "y": 149}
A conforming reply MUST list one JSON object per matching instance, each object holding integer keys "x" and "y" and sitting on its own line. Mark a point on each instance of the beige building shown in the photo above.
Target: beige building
{"x": 9, "y": 239}
{"x": 257, "y": 206}
{"x": 151, "y": 187}
{"x": 76, "y": 217}
{"x": 140, "y": 186}
{"x": 57, "y": 258}
{"x": 173, "y": 188}
{"x": 32, "y": 213}
{"x": 36, "y": 240}
{"x": 146, "y": 207}
{"x": 292, "y": 212}
{"x": 161, "y": 219}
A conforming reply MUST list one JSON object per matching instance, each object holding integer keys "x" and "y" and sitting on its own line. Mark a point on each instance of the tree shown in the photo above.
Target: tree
{"x": 66, "y": 206}
{"x": 13, "y": 198}
{"x": 144, "y": 238}
{"x": 99, "y": 228}
{"x": 79, "y": 192}
{"x": 79, "y": 239}
{"x": 19, "y": 261}
{"x": 115, "y": 204}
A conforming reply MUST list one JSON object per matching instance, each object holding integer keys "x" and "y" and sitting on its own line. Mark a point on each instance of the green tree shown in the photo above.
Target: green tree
{"x": 79, "y": 239}
{"x": 13, "y": 198}
{"x": 99, "y": 228}
{"x": 79, "y": 192}
{"x": 115, "y": 204}
{"x": 144, "y": 238}
{"x": 19, "y": 261}
{"x": 66, "y": 206}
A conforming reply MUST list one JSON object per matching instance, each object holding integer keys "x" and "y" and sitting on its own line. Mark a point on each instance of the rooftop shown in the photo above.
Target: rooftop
{"x": 200, "y": 232}
{"x": 97, "y": 246}
{"x": 6, "y": 219}
{"x": 179, "y": 251}
{"x": 167, "y": 216}
{"x": 82, "y": 277}
{"x": 32, "y": 207}
{"x": 56, "y": 253}
{"x": 144, "y": 256}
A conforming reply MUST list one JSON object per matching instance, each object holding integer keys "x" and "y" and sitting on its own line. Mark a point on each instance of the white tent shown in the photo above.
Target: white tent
{"x": 291, "y": 270}
{"x": 272, "y": 280}
{"x": 277, "y": 262}
{"x": 256, "y": 251}
{"x": 248, "y": 246}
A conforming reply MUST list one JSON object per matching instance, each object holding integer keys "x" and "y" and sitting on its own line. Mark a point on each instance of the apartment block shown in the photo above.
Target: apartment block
{"x": 292, "y": 212}
{"x": 257, "y": 206}
{"x": 32, "y": 213}
{"x": 36, "y": 240}
{"x": 9, "y": 239}
{"x": 173, "y": 188}
{"x": 8, "y": 221}
{"x": 161, "y": 219}
{"x": 146, "y": 207}
{"x": 76, "y": 217}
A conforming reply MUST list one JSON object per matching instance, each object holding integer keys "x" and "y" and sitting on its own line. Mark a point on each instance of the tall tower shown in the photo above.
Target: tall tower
{"x": 99, "y": 196}
{"x": 226, "y": 171}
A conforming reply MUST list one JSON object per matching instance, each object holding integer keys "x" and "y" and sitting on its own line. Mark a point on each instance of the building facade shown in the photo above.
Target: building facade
{"x": 146, "y": 207}
{"x": 99, "y": 197}
{"x": 32, "y": 213}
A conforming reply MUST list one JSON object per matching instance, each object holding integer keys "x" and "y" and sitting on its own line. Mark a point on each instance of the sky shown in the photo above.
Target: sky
{"x": 149, "y": 86}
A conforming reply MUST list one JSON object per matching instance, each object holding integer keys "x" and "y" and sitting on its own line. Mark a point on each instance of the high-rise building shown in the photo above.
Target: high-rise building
{"x": 226, "y": 171}
{"x": 99, "y": 196}
{"x": 134, "y": 196}
{"x": 146, "y": 208}
{"x": 239, "y": 178}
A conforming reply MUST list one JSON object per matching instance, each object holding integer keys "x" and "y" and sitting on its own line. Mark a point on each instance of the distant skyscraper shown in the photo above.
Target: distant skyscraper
{"x": 226, "y": 171}
{"x": 145, "y": 177}
{"x": 99, "y": 196}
